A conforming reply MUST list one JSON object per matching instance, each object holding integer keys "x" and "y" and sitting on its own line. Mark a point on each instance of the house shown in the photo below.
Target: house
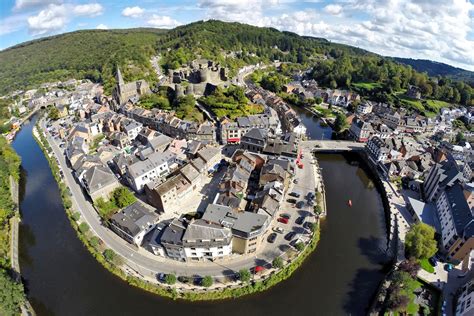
{"x": 464, "y": 299}
{"x": 172, "y": 239}
{"x": 204, "y": 241}
{"x": 167, "y": 194}
{"x": 210, "y": 155}
{"x": 134, "y": 222}
{"x": 414, "y": 92}
{"x": 254, "y": 140}
{"x": 273, "y": 172}
{"x": 365, "y": 107}
{"x": 99, "y": 182}
{"x": 156, "y": 165}
{"x": 132, "y": 128}
{"x": 247, "y": 228}
{"x": 457, "y": 223}
{"x": 378, "y": 149}
{"x": 360, "y": 130}
{"x": 119, "y": 139}
{"x": 423, "y": 213}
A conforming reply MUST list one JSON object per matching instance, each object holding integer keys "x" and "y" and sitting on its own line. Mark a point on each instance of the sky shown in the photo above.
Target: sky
{"x": 439, "y": 30}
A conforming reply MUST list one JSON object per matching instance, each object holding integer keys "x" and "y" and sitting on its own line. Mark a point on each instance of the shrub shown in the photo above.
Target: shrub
{"x": 277, "y": 263}
{"x": 94, "y": 241}
{"x": 170, "y": 279}
{"x": 123, "y": 197}
{"x": 299, "y": 246}
{"x": 76, "y": 216}
{"x": 244, "y": 275}
{"x": 109, "y": 255}
{"x": 207, "y": 281}
{"x": 83, "y": 228}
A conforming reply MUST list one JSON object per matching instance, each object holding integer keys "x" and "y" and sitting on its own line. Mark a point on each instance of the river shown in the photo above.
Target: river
{"x": 339, "y": 278}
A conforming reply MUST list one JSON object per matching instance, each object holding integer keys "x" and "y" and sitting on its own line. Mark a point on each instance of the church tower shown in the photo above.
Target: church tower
{"x": 119, "y": 77}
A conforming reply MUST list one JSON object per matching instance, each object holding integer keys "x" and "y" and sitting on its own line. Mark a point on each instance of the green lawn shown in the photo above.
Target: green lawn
{"x": 367, "y": 85}
{"x": 412, "y": 103}
{"x": 425, "y": 265}
{"x": 436, "y": 105}
{"x": 327, "y": 113}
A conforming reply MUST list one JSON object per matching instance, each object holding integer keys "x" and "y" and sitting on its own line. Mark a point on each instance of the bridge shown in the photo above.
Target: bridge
{"x": 332, "y": 145}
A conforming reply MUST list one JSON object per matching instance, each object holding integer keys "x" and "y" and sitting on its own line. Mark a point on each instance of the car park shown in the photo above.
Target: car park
{"x": 285, "y": 215}
{"x": 271, "y": 238}
{"x": 290, "y": 236}
{"x": 282, "y": 220}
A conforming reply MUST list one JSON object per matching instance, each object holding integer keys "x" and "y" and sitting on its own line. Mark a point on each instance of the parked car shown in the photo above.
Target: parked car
{"x": 310, "y": 196}
{"x": 278, "y": 230}
{"x": 161, "y": 277}
{"x": 448, "y": 267}
{"x": 290, "y": 236}
{"x": 271, "y": 238}
{"x": 282, "y": 220}
{"x": 295, "y": 181}
{"x": 300, "y": 204}
{"x": 285, "y": 215}
{"x": 291, "y": 200}
{"x": 295, "y": 194}
{"x": 300, "y": 220}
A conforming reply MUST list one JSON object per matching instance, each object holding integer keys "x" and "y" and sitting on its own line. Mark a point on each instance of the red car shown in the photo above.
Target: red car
{"x": 283, "y": 220}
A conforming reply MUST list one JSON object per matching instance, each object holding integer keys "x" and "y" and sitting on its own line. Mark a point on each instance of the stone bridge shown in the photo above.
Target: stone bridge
{"x": 332, "y": 145}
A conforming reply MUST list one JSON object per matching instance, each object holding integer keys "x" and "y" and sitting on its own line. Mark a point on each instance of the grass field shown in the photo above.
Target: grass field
{"x": 367, "y": 85}
{"x": 412, "y": 103}
{"x": 436, "y": 105}
{"x": 327, "y": 113}
{"x": 425, "y": 265}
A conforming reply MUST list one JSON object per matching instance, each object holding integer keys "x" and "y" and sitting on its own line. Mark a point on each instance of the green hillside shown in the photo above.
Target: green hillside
{"x": 89, "y": 54}
{"x": 94, "y": 54}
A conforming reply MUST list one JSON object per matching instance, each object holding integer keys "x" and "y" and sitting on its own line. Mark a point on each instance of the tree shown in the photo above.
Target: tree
{"x": 460, "y": 137}
{"x": 317, "y": 209}
{"x": 76, "y": 216}
{"x": 207, "y": 281}
{"x": 123, "y": 197}
{"x": 411, "y": 266}
{"x": 83, "y": 228}
{"x": 170, "y": 279}
{"x": 277, "y": 263}
{"x": 340, "y": 124}
{"x": 244, "y": 275}
{"x": 11, "y": 295}
{"x": 94, "y": 241}
{"x": 109, "y": 255}
{"x": 299, "y": 246}
{"x": 53, "y": 113}
{"x": 318, "y": 100}
{"x": 420, "y": 242}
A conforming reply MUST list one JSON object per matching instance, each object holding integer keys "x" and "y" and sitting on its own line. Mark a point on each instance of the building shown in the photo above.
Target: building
{"x": 134, "y": 222}
{"x": 457, "y": 223}
{"x": 206, "y": 241}
{"x": 378, "y": 149}
{"x": 254, "y": 140}
{"x": 247, "y": 228}
{"x": 99, "y": 182}
{"x": 156, "y": 165}
{"x": 360, "y": 130}
{"x": 365, "y": 107}
{"x": 440, "y": 176}
{"x": 464, "y": 300}
{"x": 172, "y": 239}
{"x": 125, "y": 92}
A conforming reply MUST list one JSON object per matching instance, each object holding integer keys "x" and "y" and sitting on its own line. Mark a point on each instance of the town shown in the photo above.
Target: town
{"x": 176, "y": 196}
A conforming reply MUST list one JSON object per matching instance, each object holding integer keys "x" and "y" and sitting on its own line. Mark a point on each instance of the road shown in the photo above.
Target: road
{"x": 333, "y": 145}
{"x": 147, "y": 264}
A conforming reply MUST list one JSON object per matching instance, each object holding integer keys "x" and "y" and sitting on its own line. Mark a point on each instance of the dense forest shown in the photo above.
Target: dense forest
{"x": 434, "y": 69}
{"x": 91, "y": 54}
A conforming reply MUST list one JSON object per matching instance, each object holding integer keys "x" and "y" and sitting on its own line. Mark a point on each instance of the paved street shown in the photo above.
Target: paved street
{"x": 147, "y": 264}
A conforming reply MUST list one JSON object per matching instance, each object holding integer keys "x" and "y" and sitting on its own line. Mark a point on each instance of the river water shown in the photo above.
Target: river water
{"x": 339, "y": 278}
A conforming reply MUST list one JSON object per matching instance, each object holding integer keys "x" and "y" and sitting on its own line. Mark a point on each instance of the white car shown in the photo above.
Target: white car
{"x": 278, "y": 230}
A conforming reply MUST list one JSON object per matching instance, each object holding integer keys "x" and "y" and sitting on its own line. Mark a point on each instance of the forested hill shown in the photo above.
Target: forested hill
{"x": 94, "y": 54}
{"x": 434, "y": 68}
{"x": 89, "y": 54}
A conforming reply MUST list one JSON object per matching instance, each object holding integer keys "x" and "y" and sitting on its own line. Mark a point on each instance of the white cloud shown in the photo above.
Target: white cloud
{"x": 24, "y": 4}
{"x": 12, "y": 24}
{"x": 133, "y": 12}
{"x": 161, "y": 21}
{"x": 53, "y": 18}
{"x": 90, "y": 9}
{"x": 334, "y": 9}
{"x": 102, "y": 27}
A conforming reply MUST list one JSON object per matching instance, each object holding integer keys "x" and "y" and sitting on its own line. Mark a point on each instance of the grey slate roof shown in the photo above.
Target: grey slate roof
{"x": 200, "y": 233}
{"x": 134, "y": 218}
{"x": 98, "y": 177}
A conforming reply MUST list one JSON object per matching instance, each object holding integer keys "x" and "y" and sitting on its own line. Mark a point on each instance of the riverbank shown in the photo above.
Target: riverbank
{"x": 262, "y": 281}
